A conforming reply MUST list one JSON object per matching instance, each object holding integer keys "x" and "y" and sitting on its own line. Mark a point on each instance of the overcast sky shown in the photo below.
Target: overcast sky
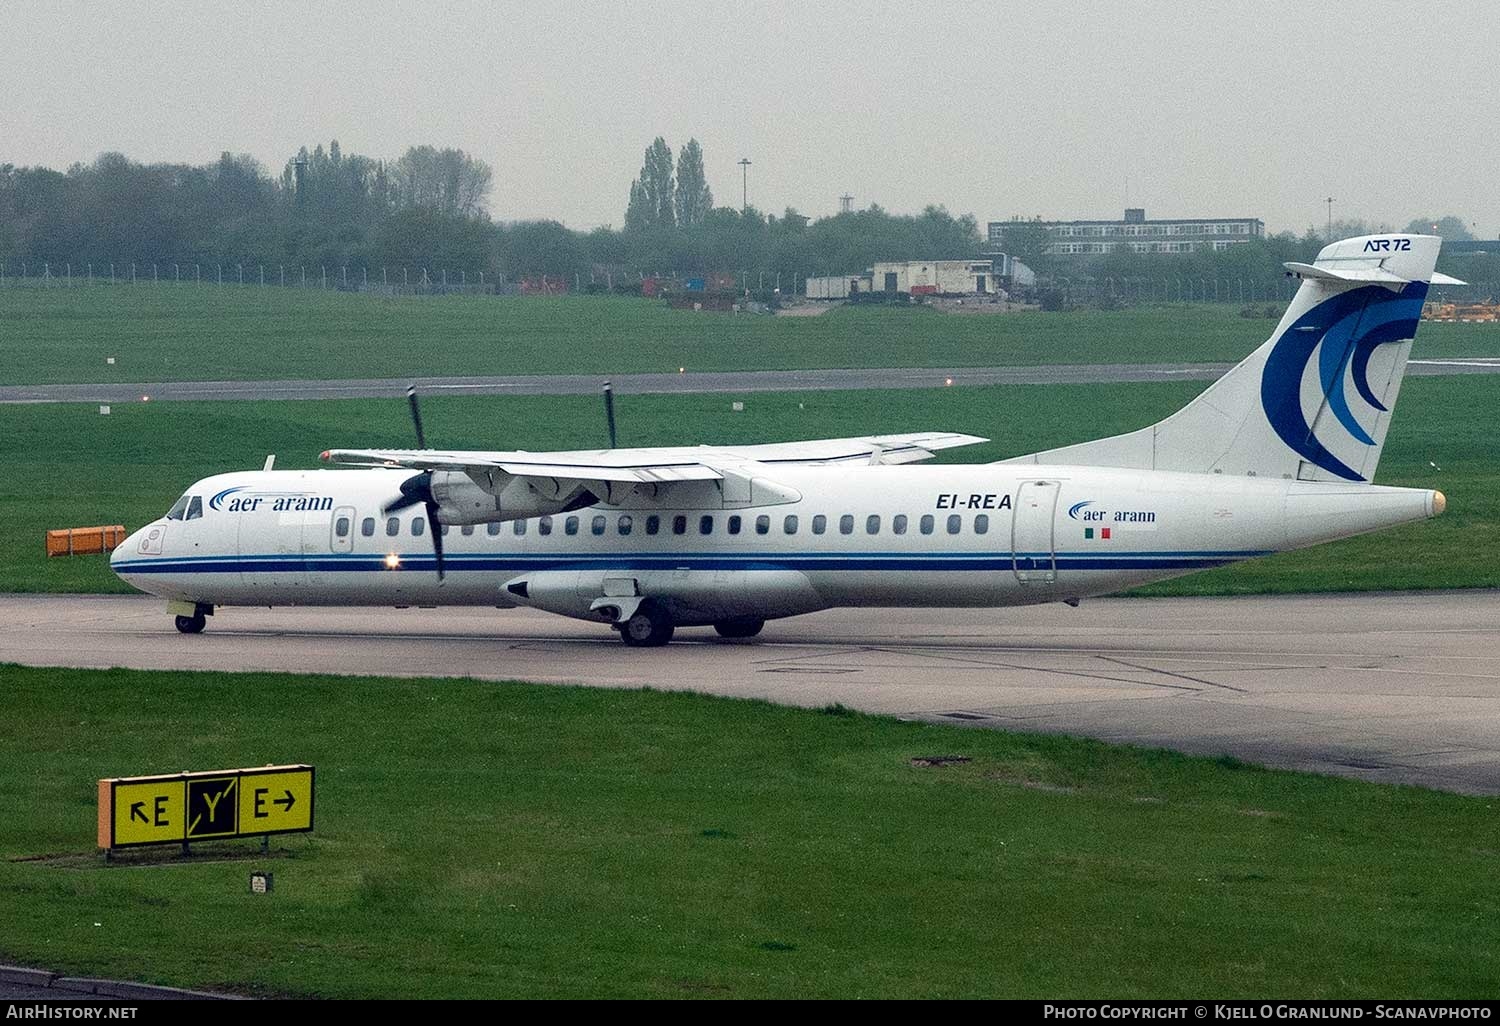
{"x": 1198, "y": 109}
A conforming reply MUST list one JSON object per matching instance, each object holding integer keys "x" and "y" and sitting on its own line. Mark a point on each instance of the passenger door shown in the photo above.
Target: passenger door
{"x": 1032, "y": 545}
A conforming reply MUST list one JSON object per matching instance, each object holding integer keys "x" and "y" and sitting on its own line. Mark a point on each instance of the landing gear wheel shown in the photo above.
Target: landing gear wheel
{"x": 192, "y": 624}
{"x": 650, "y": 627}
{"x": 739, "y": 628}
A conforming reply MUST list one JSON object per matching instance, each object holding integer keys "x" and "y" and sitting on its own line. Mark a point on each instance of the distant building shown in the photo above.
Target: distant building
{"x": 985, "y": 277}
{"x": 935, "y": 277}
{"x": 1138, "y": 233}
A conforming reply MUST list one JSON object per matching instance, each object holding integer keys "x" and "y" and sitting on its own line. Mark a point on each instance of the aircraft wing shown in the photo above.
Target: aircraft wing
{"x": 625, "y": 465}
{"x": 874, "y": 449}
{"x": 665, "y": 464}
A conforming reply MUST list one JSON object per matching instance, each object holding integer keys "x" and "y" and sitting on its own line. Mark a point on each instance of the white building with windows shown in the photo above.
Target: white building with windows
{"x": 1138, "y": 233}
{"x": 935, "y": 277}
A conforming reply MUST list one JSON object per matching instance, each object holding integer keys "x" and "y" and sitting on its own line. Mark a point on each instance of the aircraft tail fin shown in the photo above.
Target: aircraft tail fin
{"x": 1314, "y": 401}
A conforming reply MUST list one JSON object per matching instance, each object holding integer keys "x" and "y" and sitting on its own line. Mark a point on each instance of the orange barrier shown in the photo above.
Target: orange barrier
{"x": 84, "y": 541}
{"x": 1464, "y": 313}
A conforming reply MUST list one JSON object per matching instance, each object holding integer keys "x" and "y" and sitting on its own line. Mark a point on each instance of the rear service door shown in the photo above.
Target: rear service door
{"x": 1033, "y": 553}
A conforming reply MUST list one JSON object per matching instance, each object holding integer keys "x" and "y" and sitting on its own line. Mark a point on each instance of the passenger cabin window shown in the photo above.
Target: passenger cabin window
{"x": 624, "y": 524}
{"x": 872, "y": 524}
{"x": 195, "y": 508}
{"x": 570, "y": 525}
{"x": 517, "y": 527}
{"x": 846, "y": 524}
{"x": 820, "y": 524}
{"x": 341, "y": 527}
{"x": 679, "y": 524}
{"x": 653, "y": 524}
{"x": 468, "y": 529}
{"x": 392, "y": 526}
{"x": 492, "y": 528}
{"x": 926, "y": 523}
{"x": 444, "y": 530}
{"x": 418, "y": 525}
{"x": 367, "y": 527}
{"x": 762, "y": 524}
{"x": 734, "y": 525}
{"x": 982, "y": 524}
{"x": 705, "y": 525}
{"x": 597, "y": 526}
{"x": 789, "y": 525}
{"x": 544, "y": 526}
{"x": 898, "y": 523}
{"x": 955, "y": 523}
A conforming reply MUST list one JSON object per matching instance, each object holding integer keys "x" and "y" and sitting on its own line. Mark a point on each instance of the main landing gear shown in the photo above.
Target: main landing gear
{"x": 192, "y": 624}
{"x": 649, "y": 627}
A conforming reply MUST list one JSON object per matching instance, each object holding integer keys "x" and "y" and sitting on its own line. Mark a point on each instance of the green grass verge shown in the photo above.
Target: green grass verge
{"x": 478, "y": 839}
{"x": 68, "y": 466}
{"x": 210, "y": 333}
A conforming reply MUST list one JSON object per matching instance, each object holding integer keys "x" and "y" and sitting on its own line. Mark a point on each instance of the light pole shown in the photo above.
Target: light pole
{"x": 1329, "y": 201}
{"x": 744, "y": 185}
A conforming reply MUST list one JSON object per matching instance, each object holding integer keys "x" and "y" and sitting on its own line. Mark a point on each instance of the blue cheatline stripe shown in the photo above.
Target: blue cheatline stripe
{"x": 360, "y": 562}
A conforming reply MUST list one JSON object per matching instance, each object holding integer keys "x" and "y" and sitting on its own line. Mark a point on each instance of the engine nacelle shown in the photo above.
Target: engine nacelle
{"x": 462, "y": 500}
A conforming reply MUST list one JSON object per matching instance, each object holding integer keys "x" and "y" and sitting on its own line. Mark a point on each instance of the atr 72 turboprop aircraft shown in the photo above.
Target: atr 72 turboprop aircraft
{"x": 1277, "y": 454}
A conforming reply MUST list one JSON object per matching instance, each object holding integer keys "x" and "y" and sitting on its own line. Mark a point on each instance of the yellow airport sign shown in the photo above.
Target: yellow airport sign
{"x": 275, "y": 801}
{"x": 183, "y": 807}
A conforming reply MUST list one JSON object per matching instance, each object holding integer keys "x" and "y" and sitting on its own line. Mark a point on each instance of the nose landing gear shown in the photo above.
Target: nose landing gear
{"x": 192, "y": 624}
{"x": 191, "y": 617}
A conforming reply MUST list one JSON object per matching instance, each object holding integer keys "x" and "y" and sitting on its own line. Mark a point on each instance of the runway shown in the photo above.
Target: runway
{"x": 1386, "y": 687}
{"x": 664, "y": 384}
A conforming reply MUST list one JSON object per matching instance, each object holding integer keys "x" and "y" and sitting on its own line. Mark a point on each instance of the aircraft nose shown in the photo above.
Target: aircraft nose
{"x": 122, "y": 553}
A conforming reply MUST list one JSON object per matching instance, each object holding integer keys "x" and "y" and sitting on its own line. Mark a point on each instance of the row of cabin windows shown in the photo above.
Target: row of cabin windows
{"x": 733, "y": 524}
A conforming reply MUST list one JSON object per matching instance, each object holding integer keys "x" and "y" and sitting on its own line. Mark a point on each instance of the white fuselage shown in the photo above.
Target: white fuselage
{"x": 955, "y": 535}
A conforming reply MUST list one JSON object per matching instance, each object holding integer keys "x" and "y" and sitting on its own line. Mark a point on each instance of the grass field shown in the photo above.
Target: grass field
{"x": 477, "y": 839}
{"x": 68, "y": 466}
{"x": 176, "y": 334}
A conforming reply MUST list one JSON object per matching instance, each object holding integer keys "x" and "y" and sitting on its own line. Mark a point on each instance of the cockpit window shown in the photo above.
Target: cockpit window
{"x": 179, "y": 508}
{"x": 195, "y": 508}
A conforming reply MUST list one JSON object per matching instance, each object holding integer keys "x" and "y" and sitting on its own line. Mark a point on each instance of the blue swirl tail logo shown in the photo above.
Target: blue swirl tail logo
{"x": 1343, "y": 333}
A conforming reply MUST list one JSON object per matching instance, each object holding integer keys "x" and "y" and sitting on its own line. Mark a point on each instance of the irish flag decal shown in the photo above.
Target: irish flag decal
{"x": 1088, "y": 533}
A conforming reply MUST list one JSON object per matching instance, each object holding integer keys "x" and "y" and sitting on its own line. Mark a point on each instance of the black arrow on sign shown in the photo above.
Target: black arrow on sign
{"x": 136, "y": 813}
{"x": 286, "y": 803}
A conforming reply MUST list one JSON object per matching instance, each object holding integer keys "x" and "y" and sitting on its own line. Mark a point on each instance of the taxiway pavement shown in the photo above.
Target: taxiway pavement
{"x": 1386, "y": 687}
{"x": 664, "y": 384}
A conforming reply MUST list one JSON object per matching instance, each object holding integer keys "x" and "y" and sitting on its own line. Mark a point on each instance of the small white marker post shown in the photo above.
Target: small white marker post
{"x": 104, "y": 411}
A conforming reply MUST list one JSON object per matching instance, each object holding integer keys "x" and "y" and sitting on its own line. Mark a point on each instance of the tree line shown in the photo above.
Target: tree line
{"x": 429, "y": 208}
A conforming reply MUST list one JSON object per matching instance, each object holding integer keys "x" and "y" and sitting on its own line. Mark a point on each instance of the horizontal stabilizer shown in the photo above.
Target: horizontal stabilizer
{"x": 1374, "y": 275}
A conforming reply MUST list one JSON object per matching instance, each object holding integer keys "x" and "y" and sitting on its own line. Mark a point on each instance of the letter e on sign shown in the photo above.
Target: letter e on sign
{"x": 276, "y": 801}
{"x": 149, "y": 813}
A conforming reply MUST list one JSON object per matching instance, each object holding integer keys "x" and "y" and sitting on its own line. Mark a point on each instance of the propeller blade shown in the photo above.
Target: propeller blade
{"x": 415, "y": 489}
{"x": 416, "y": 415}
{"x": 609, "y": 411}
{"x": 436, "y": 527}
